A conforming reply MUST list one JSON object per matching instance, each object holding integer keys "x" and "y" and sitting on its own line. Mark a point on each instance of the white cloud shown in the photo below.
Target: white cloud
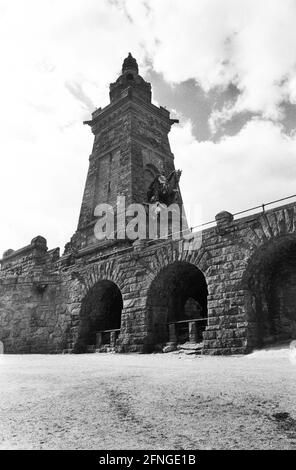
{"x": 57, "y": 59}
{"x": 247, "y": 42}
{"x": 256, "y": 166}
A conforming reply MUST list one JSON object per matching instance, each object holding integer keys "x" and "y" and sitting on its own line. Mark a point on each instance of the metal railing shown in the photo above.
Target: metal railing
{"x": 193, "y": 229}
{"x": 245, "y": 211}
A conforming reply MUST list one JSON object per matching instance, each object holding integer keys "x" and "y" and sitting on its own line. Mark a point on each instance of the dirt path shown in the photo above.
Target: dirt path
{"x": 100, "y": 401}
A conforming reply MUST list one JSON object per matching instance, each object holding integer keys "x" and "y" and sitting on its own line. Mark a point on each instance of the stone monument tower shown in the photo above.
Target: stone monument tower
{"x": 130, "y": 149}
{"x": 233, "y": 292}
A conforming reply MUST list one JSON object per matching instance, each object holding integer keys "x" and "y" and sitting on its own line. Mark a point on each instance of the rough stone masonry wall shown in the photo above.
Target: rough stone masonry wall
{"x": 41, "y": 294}
{"x": 224, "y": 257}
{"x": 235, "y": 254}
{"x": 32, "y": 313}
{"x": 110, "y": 167}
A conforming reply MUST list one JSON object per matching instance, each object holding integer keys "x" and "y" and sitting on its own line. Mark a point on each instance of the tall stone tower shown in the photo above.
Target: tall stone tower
{"x": 130, "y": 148}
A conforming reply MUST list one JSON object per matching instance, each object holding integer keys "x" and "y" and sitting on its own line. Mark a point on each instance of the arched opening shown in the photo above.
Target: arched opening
{"x": 100, "y": 316}
{"x": 176, "y": 297}
{"x": 271, "y": 294}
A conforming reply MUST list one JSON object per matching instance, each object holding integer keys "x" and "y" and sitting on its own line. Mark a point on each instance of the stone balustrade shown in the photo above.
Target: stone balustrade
{"x": 195, "y": 328}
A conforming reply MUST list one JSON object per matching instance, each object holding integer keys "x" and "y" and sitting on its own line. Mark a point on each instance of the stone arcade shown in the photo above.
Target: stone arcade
{"x": 235, "y": 293}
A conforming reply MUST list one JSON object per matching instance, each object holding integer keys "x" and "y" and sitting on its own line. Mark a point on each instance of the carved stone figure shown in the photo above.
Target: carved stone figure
{"x": 164, "y": 189}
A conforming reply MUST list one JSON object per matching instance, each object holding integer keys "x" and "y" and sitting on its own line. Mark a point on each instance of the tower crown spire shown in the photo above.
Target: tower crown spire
{"x": 130, "y": 79}
{"x": 130, "y": 63}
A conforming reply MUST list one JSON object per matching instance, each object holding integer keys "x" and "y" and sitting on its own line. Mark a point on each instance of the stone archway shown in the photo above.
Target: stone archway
{"x": 177, "y": 295}
{"x": 270, "y": 282}
{"x": 101, "y": 310}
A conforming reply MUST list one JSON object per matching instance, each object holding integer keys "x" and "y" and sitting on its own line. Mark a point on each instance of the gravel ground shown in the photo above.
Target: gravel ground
{"x": 159, "y": 401}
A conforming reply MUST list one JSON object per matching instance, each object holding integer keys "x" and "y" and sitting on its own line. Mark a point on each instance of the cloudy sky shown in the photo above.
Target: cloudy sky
{"x": 226, "y": 69}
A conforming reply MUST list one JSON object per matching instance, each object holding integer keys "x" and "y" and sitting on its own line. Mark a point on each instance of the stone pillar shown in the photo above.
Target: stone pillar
{"x": 113, "y": 336}
{"x": 98, "y": 340}
{"x": 172, "y": 333}
{"x": 223, "y": 220}
{"x": 192, "y": 332}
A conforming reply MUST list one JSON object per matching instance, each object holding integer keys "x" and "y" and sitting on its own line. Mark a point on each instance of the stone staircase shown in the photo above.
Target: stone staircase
{"x": 190, "y": 348}
{"x": 185, "y": 348}
{"x": 105, "y": 348}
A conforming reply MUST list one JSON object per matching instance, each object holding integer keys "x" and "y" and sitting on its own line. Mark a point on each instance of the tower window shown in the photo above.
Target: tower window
{"x": 130, "y": 76}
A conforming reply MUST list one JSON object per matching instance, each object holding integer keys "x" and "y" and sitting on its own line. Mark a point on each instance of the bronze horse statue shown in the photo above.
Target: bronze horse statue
{"x": 164, "y": 190}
